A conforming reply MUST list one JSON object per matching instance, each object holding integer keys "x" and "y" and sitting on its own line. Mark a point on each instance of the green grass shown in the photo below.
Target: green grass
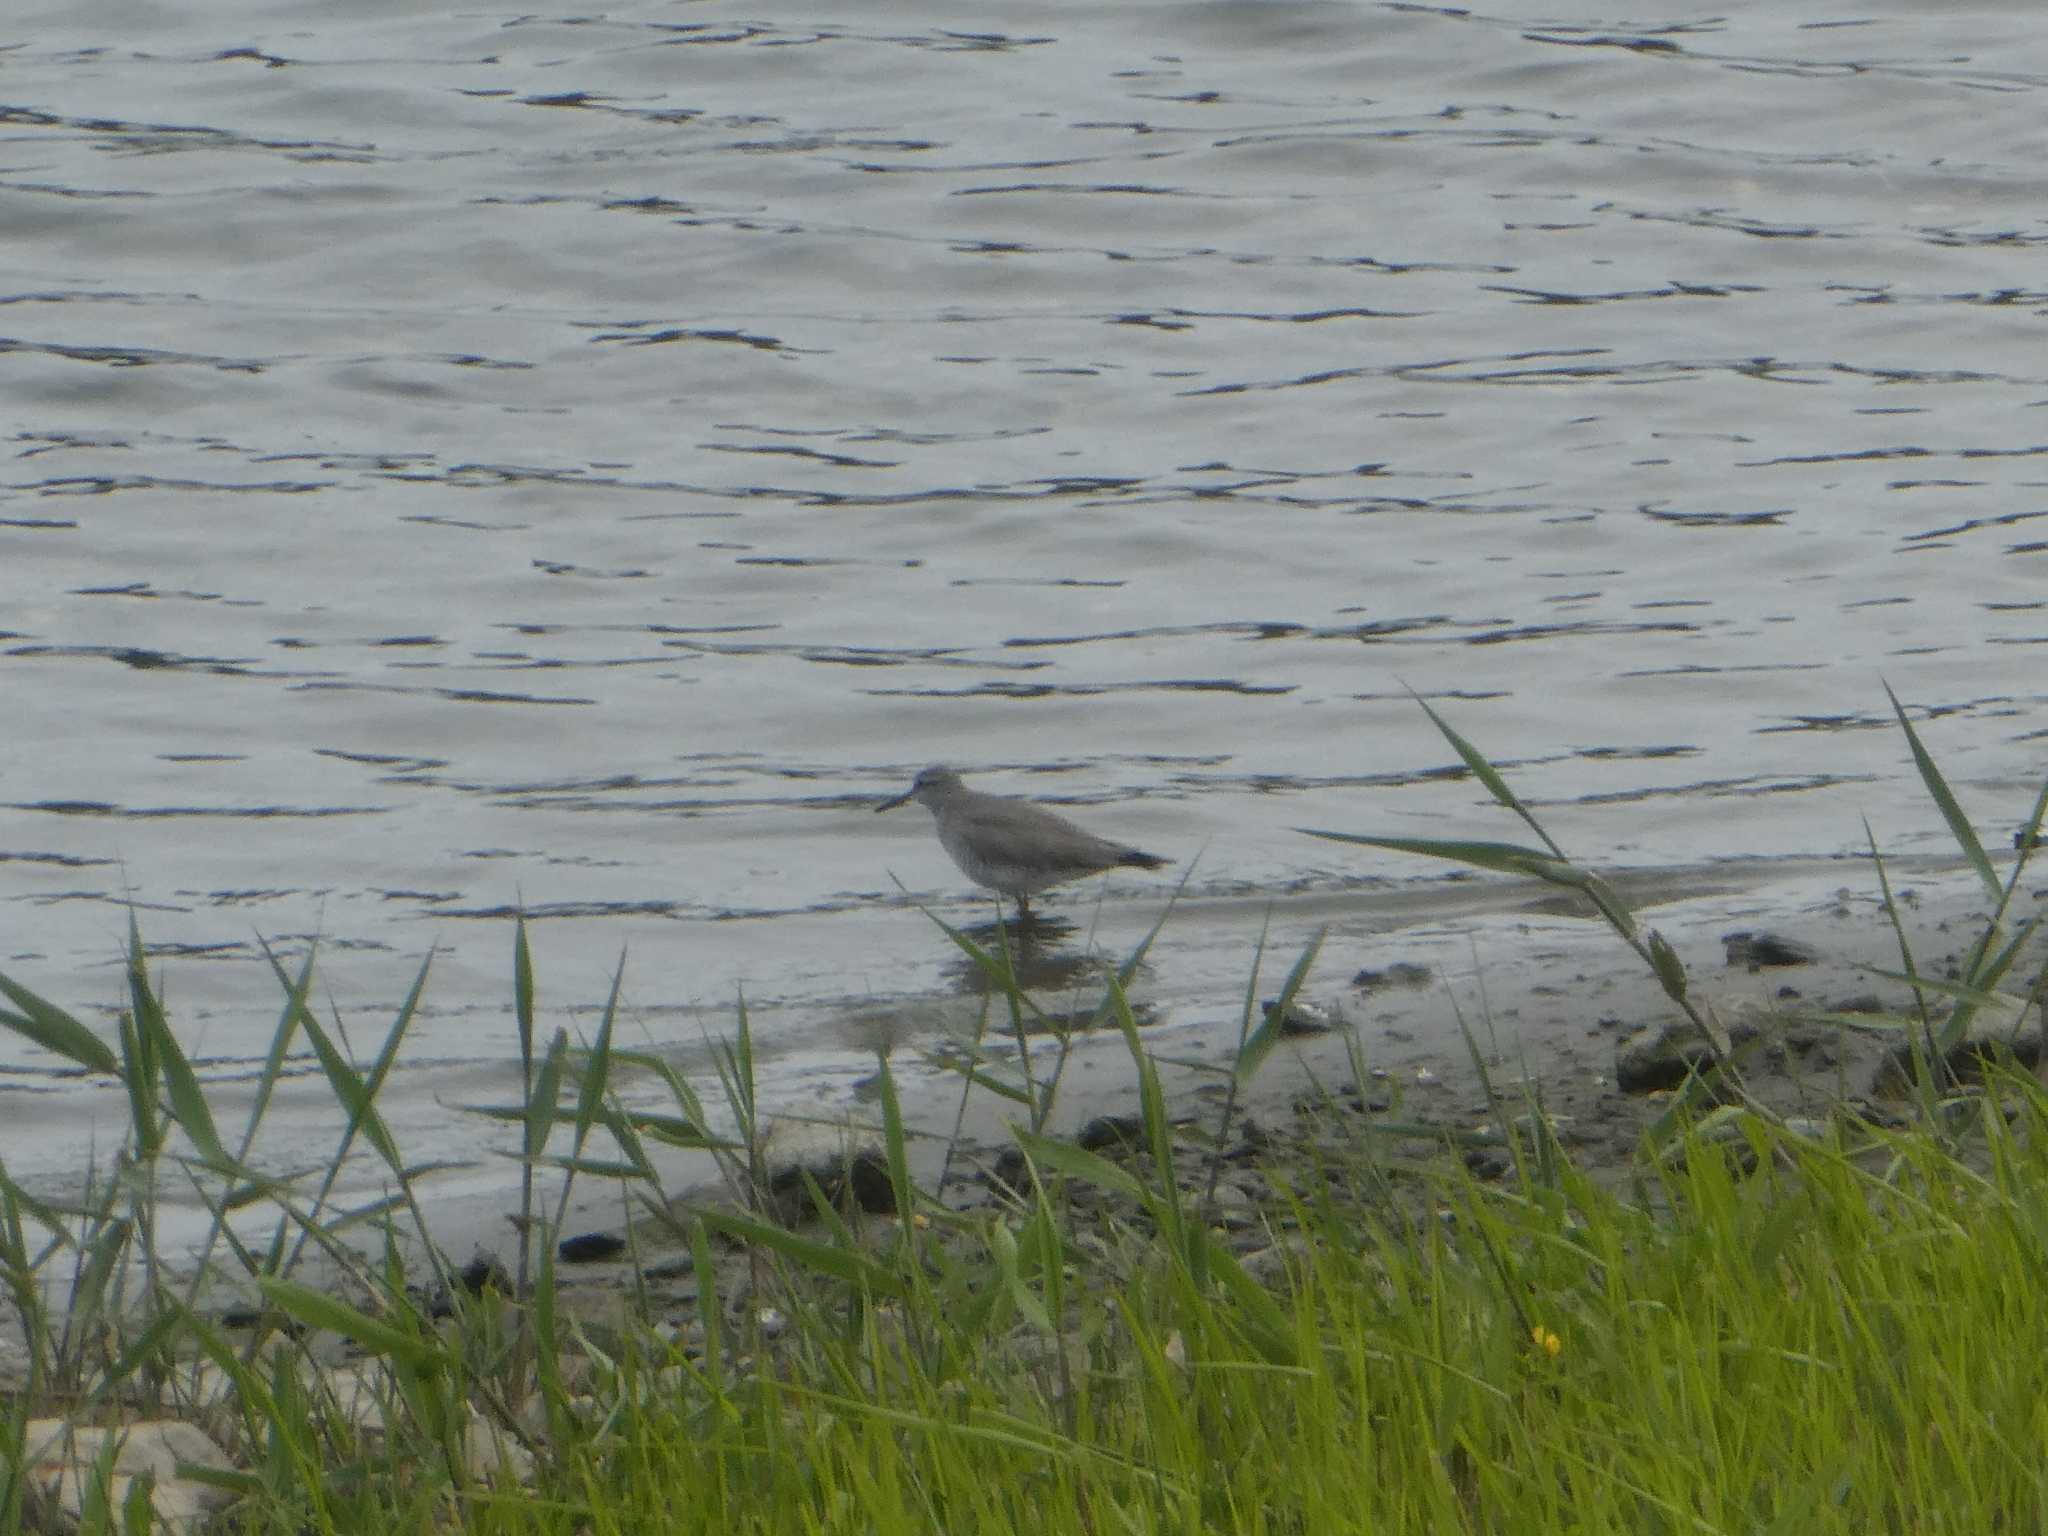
{"x": 1813, "y": 1348}
{"x": 1757, "y": 1329}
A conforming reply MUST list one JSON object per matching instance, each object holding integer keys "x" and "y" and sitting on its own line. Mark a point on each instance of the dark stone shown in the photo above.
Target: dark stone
{"x": 480, "y": 1275}
{"x": 1657, "y": 1067}
{"x": 1112, "y": 1133}
{"x": 1666, "y": 1058}
{"x": 1757, "y": 950}
{"x": 1399, "y": 974}
{"x": 590, "y": 1247}
{"x": 1012, "y": 1170}
{"x": 262, "y": 1317}
{"x": 1963, "y": 1063}
{"x": 484, "y": 1273}
{"x": 867, "y": 1179}
{"x": 861, "y": 1182}
{"x": 1487, "y": 1163}
{"x": 1359, "y": 1101}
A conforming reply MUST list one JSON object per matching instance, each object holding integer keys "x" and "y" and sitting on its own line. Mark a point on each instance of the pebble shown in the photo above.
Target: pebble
{"x": 1303, "y": 1017}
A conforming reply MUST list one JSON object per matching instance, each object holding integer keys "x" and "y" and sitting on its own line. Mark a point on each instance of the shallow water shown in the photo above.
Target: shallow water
{"x": 584, "y": 462}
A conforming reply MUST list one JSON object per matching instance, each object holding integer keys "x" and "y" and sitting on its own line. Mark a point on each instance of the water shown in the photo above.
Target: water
{"x": 584, "y": 461}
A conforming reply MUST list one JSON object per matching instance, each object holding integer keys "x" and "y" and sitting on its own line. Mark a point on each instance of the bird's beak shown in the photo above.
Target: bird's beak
{"x": 902, "y": 799}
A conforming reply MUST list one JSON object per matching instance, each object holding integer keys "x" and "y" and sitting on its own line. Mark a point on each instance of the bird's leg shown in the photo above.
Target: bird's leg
{"x": 1023, "y": 912}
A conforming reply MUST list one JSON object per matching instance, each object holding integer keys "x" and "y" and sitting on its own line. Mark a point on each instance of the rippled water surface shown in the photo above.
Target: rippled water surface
{"x": 584, "y": 461}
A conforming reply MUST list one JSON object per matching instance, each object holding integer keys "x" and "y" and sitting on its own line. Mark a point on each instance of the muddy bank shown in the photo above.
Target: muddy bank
{"x": 1792, "y": 971}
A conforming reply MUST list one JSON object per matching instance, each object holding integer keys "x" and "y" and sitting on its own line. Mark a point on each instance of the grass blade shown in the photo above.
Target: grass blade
{"x": 831, "y": 1259}
{"x": 1273, "y": 1028}
{"x": 1506, "y": 858}
{"x": 318, "y": 1309}
{"x": 181, "y": 1085}
{"x": 1487, "y": 774}
{"x": 1937, "y": 787}
{"x": 55, "y": 1030}
{"x": 1092, "y": 1168}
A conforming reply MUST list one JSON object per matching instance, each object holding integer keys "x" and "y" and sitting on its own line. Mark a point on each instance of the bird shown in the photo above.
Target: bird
{"x": 1011, "y": 846}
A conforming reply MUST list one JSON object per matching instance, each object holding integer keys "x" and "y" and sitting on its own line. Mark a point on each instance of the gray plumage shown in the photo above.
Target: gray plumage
{"x": 1012, "y": 846}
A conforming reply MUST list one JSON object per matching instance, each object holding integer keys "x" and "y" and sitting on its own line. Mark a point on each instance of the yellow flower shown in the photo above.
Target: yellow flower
{"x": 1546, "y": 1341}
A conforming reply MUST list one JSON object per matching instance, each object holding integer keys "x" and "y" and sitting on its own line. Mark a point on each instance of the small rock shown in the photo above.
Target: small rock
{"x": 1012, "y": 1170}
{"x": 1757, "y": 950}
{"x": 1994, "y": 1029}
{"x": 358, "y": 1390}
{"x": 1270, "y": 1264}
{"x": 590, "y": 1247}
{"x": 1662, "y": 1061}
{"x": 1488, "y": 1163}
{"x": 255, "y": 1317}
{"x": 492, "y": 1453}
{"x": 1234, "y": 1210}
{"x": 1304, "y": 1017}
{"x": 484, "y": 1273}
{"x": 1399, "y": 974}
{"x": 1112, "y": 1133}
{"x": 61, "y": 1458}
{"x": 843, "y": 1159}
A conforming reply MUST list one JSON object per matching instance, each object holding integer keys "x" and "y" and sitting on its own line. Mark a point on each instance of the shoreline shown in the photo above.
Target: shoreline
{"x": 1551, "y": 998}
{"x": 1554, "y": 1002}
